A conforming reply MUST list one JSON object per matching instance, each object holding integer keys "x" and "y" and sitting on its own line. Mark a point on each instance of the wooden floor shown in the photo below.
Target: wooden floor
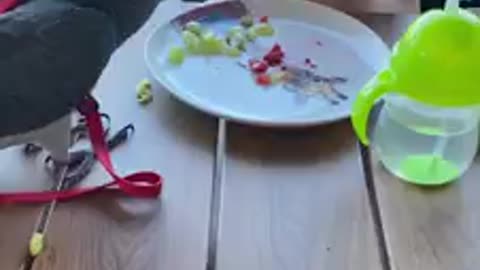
{"x": 238, "y": 197}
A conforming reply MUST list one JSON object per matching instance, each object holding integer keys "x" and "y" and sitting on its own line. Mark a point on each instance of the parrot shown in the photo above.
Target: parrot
{"x": 52, "y": 52}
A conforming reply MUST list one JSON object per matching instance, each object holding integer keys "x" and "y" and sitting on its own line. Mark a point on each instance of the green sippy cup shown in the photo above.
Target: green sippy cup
{"x": 426, "y": 131}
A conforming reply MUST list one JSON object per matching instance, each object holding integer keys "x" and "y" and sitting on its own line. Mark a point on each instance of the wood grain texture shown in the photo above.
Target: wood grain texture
{"x": 16, "y": 223}
{"x": 110, "y": 232}
{"x": 430, "y": 228}
{"x": 295, "y": 200}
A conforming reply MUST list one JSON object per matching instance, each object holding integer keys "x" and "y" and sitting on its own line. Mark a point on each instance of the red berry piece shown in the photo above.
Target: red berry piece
{"x": 252, "y": 62}
{"x": 259, "y": 67}
{"x": 263, "y": 79}
{"x": 276, "y": 48}
{"x": 274, "y": 58}
{"x": 264, "y": 19}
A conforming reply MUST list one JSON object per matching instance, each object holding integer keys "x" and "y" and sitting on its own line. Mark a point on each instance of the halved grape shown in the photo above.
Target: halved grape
{"x": 251, "y": 34}
{"x": 236, "y": 30}
{"x": 144, "y": 92}
{"x": 191, "y": 41}
{"x": 194, "y": 27}
{"x": 232, "y": 51}
{"x": 264, "y": 29}
{"x": 278, "y": 77}
{"x": 247, "y": 21}
{"x": 238, "y": 41}
{"x": 176, "y": 56}
{"x": 211, "y": 44}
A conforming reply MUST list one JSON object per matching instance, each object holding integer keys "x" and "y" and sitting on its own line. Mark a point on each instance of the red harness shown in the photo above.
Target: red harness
{"x": 142, "y": 184}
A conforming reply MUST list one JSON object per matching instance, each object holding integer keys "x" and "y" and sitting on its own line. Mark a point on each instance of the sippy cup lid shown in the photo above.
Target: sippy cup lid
{"x": 436, "y": 62}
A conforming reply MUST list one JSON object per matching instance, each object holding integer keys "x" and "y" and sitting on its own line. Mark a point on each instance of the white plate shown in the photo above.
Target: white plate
{"x": 219, "y": 86}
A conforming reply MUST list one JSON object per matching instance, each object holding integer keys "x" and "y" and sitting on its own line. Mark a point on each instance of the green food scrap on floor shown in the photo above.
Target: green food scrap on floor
{"x": 144, "y": 92}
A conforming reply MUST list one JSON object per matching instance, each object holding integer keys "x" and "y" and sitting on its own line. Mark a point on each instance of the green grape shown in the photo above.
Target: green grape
{"x": 210, "y": 44}
{"x": 241, "y": 46}
{"x": 278, "y": 77}
{"x": 247, "y": 21}
{"x": 191, "y": 41}
{"x": 144, "y": 98}
{"x": 251, "y": 34}
{"x": 264, "y": 29}
{"x": 238, "y": 41}
{"x": 144, "y": 92}
{"x": 194, "y": 27}
{"x": 232, "y": 51}
{"x": 234, "y": 31}
{"x": 209, "y": 35}
{"x": 176, "y": 56}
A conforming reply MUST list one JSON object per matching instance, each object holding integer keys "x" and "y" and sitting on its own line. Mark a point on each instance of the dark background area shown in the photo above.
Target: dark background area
{"x": 429, "y": 4}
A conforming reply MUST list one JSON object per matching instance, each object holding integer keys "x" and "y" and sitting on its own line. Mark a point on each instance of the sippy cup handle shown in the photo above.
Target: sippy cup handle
{"x": 371, "y": 92}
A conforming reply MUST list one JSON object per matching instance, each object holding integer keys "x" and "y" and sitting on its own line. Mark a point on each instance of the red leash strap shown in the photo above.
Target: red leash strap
{"x": 6, "y": 5}
{"x": 142, "y": 184}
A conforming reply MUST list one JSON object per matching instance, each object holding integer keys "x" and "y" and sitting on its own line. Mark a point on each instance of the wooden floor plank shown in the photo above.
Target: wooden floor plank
{"x": 16, "y": 223}
{"x": 298, "y": 201}
{"x": 109, "y": 232}
{"x": 19, "y": 173}
{"x": 295, "y": 200}
{"x": 430, "y": 228}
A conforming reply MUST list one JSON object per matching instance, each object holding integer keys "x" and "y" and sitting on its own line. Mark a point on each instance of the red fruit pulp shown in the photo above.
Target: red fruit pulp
{"x": 263, "y": 79}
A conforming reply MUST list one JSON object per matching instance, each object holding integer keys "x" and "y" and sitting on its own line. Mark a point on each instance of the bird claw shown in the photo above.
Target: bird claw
{"x": 77, "y": 133}
{"x": 79, "y": 166}
{"x": 82, "y": 162}
{"x": 80, "y": 131}
{"x": 31, "y": 149}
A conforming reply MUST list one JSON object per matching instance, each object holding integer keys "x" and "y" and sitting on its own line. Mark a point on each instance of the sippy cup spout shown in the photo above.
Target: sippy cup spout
{"x": 365, "y": 100}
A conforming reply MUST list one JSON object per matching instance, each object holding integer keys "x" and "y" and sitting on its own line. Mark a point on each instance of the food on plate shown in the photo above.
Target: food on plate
{"x": 247, "y": 21}
{"x": 250, "y": 34}
{"x": 278, "y": 76}
{"x": 191, "y": 41}
{"x": 236, "y": 30}
{"x": 237, "y": 40}
{"x": 194, "y": 27}
{"x": 264, "y": 19}
{"x": 263, "y": 79}
{"x": 176, "y": 56}
{"x": 210, "y": 44}
{"x": 232, "y": 51}
{"x": 264, "y": 30}
{"x": 257, "y": 66}
{"x": 275, "y": 56}
{"x": 197, "y": 40}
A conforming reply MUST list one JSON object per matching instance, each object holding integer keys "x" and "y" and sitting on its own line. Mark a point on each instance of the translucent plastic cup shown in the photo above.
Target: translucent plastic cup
{"x": 423, "y": 144}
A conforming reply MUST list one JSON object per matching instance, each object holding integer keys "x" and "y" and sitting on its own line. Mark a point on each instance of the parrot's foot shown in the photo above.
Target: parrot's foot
{"x": 77, "y": 133}
{"x": 79, "y": 166}
{"x": 31, "y": 149}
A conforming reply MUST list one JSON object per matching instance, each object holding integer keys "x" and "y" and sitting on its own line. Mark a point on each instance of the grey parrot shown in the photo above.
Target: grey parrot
{"x": 52, "y": 53}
